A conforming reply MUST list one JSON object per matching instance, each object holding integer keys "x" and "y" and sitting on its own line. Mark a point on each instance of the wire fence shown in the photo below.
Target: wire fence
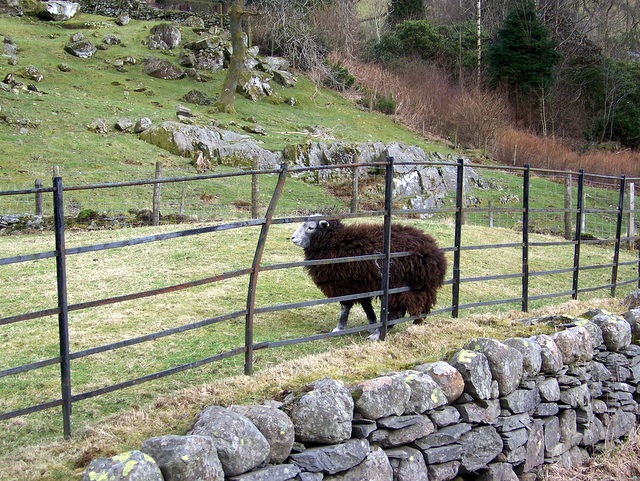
{"x": 566, "y": 210}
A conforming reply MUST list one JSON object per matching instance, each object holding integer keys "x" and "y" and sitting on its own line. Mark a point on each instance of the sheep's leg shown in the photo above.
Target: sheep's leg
{"x": 368, "y": 310}
{"x": 345, "y": 308}
{"x": 393, "y": 315}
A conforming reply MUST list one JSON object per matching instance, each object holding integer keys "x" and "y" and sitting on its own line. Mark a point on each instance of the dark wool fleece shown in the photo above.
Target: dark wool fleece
{"x": 424, "y": 270}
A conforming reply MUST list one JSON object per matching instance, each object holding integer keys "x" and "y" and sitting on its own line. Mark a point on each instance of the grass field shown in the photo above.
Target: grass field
{"x": 32, "y": 446}
{"x": 99, "y": 275}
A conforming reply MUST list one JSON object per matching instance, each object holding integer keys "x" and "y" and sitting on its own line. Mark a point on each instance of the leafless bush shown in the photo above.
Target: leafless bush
{"x": 516, "y": 147}
{"x": 283, "y": 28}
{"x": 478, "y": 116}
{"x": 423, "y": 93}
{"x": 338, "y": 27}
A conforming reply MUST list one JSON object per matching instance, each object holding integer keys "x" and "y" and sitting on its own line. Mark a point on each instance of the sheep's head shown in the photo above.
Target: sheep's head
{"x": 303, "y": 236}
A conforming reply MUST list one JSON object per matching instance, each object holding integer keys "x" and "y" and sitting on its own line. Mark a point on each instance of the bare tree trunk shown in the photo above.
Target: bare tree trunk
{"x": 236, "y": 64}
{"x": 479, "y": 32}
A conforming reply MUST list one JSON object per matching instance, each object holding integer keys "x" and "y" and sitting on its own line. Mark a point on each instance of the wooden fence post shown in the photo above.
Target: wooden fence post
{"x": 354, "y": 190}
{"x": 490, "y": 213}
{"x": 255, "y": 192}
{"x": 568, "y": 231}
{"x": 38, "y": 185}
{"x": 156, "y": 195}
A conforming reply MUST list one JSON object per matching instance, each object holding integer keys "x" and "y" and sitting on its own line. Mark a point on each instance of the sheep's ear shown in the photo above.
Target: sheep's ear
{"x": 323, "y": 224}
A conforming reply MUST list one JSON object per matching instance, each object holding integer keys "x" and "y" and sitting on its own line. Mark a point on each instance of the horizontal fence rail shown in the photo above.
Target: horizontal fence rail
{"x": 568, "y": 226}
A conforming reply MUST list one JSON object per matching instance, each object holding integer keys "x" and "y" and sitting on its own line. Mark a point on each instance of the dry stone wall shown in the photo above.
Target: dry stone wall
{"x": 494, "y": 411}
{"x": 141, "y": 10}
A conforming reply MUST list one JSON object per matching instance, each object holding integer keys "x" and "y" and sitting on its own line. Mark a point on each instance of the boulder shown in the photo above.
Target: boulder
{"x": 129, "y": 466}
{"x": 223, "y": 146}
{"x": 57, "y": 10}
{"x": 381, "y": 397}
{"x": 164, "y": 37}
{"x": 476, "y": 372}
{"x": 506, "y": 363}
{"x": 254, "y": 87}
{"x": 183, "y": 458}
{"x": 162, "y": 69}
{"x": 142, "y": 125}
{"x": 574, "y": 344}
{"x": 122, "y": 19}
{"x": 81, "y": 49}
{"x": 274, "y": 425}
{"x": 241, "y": 446}
{"x": 324, "y": 414}
{"x": 12, "y": 8}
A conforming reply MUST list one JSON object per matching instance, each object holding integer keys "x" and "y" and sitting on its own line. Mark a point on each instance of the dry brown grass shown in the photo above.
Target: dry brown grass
{"x": 553, "y": 153}
{"x": 405, "y": 347}
{"x": 619, "y": 463}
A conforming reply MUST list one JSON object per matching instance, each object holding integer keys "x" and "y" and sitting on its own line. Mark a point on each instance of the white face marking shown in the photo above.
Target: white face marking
{"x": 302, "y": 236}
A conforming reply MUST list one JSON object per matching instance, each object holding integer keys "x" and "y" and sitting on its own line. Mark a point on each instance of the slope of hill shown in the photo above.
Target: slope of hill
{"x": 39, "y": 130}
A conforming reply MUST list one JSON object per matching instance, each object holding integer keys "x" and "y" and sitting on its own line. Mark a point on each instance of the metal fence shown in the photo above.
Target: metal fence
{"x": 596, "y": 210}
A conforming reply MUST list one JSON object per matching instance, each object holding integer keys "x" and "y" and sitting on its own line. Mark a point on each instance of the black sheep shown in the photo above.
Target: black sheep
{"x": 423, "y": 271}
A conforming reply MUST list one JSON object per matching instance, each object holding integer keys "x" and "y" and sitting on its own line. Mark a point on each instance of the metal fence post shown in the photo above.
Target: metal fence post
{"x": 578, "y": 238}
{"x": 616, "y": 248}
{"x": 255, "y": 270}
{"x": 63, "y": 306}
{"x": 525, "y": 238}
{"x": 455, "y": 292}
{"x": 386, "y": 247}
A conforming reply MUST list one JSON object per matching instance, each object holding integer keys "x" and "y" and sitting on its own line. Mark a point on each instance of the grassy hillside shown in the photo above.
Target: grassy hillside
{"x": 38, "y": 131}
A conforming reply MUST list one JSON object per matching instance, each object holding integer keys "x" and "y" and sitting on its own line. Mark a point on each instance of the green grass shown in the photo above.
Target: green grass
{"x": 95, "y": 89}
{"x": 98, "y": 275}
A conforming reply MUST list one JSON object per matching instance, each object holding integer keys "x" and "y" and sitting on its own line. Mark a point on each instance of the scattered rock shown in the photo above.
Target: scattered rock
{"x": 58, "y": 10}
{"x": 197, "y": 97}
{"x": 81, "y": 49}
{"x": 123, "y": 19}
{"x": 162, "y": 69}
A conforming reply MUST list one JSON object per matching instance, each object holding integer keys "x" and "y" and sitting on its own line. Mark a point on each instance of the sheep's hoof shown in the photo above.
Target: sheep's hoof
{"x": 337, "y": 329}
{"x": 374, "y": 337}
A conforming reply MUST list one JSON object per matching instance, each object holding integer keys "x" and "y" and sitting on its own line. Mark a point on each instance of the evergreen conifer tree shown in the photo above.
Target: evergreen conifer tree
{"x": 523, "y": 54}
